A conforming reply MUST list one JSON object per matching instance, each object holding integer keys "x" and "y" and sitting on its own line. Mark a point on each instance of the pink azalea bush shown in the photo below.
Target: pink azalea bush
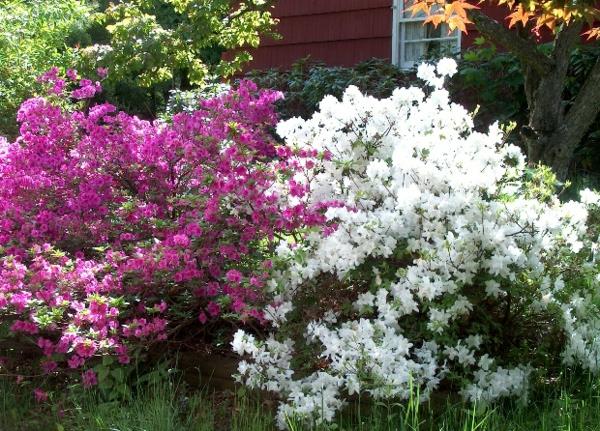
{"x": 117, "y": 232}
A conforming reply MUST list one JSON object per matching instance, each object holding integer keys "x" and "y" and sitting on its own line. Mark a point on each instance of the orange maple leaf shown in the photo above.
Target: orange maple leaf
{"x": 593, "y": 33}
{"x": 435, "y": 19}
{"x": 545, "y": 20}
{"x": 455, "y": 22}
{"x": 419, "y": 6}
{"x": 519, "y": 15}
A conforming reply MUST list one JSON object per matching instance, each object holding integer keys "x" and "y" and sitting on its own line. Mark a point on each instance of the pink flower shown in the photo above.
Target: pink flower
{"x": 89, "y": 378}
{"x": 20, "y": 300}
{"x": 46, "y": 345}
{"x": 50, "y": 75}
{"x": 40, "y": 395}
{"x": 87, "y": 89}
{"x": 181, "y": 240}
{"x": 256, "y": 282}
{"x": 75, "y": 361}
{"x": 129, "y": 197}
{"x": 213, "y": 309}
{"x": 102, "y": 72}
{"x": 24, "y": 326}
{"x": 72, "y": 74}
{"x": 212, "y": 289}
{"x": 127, "y": 236}
{"x": 161, "y": 307}
{"x": 238, "y": 305}
{"x": 58, "y": 87}
{"x": 193, "y": 230}
{"x": 86, "y": 349}
{"x": 234, "y": 276}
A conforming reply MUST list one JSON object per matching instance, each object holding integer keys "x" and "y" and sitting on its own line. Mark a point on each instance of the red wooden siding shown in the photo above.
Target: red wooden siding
{"x": 338, "y": 32}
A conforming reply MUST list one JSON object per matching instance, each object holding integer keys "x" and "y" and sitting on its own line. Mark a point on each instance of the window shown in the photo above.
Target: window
{"x": 412, "y": 41}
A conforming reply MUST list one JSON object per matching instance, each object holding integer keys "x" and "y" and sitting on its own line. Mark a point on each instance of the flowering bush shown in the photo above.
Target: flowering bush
{"x": 117, "y": 232}
{"x": 448, "y": 264}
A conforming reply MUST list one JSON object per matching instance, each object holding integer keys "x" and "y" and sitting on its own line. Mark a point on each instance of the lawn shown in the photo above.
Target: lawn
{"x": 169, "y": 405}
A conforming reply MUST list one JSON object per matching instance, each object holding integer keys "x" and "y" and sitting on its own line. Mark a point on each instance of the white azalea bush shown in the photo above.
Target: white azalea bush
{"x": 446, "y": 265}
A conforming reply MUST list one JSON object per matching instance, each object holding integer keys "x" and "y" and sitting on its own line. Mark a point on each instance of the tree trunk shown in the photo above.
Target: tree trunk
{"x": 575, "y": 124}
{"x": 552, "y": 133}
{"x": 546, "y": 106}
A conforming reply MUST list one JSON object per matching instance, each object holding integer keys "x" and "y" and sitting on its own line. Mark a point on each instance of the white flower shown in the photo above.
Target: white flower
{"x": 434, "y": 229}
{"x": 446, "y": 67}
{"x": 492, "y": 288}
{"x": 589, "y": 197}
{"x": 276, "y": 313}
{"x": 378, "y": 169}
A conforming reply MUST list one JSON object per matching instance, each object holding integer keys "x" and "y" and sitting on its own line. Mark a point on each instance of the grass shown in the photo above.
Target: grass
{"x": 574, "y": 405}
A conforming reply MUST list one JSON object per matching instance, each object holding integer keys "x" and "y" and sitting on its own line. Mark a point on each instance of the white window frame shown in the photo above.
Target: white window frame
{"x": 399, "y": 31}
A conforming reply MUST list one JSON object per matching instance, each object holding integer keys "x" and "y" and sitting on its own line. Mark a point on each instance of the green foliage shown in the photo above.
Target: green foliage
{"x": 149, "y": 46}
{"x": 153, "y": 46}
{"x": 307, "y": 82}
{"x": 34, "y": 36}
{"x": 167, "y": 404}
{"x": 540, "y": 183}
{"x": 161, "y": 406}
{"x": 493, "y": 81}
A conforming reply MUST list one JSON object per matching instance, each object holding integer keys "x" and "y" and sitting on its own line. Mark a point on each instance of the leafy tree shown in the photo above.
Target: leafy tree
{"x": 153, "y": 46}
{"x": 33, "y": 37}
{"x": 555, "y": 127}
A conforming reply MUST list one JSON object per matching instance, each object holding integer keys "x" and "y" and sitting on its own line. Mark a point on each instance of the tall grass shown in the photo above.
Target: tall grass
{"x": 158, "y": 407}
{"x": 164, "y": 405}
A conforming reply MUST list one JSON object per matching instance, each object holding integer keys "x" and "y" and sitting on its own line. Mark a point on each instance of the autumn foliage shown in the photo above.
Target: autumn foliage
{"x": 531, "y": 14}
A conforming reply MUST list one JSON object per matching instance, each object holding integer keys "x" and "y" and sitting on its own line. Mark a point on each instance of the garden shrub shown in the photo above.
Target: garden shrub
{"x": 447, "y": 265}
{"x": 492, "y": 81}
{"x": 117, "y": 232}
{"x": 307, "y": 82}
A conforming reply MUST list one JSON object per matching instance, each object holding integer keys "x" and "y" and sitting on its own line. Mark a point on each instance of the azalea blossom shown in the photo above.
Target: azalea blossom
{"x": 436, "y": 240}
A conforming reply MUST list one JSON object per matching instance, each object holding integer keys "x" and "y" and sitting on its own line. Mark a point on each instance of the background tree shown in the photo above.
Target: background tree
{"x": 554, "y": 128}
{"x": 149, "y": 47}
{"x": 153, "y": 46}
{"x": 33, "y": 38}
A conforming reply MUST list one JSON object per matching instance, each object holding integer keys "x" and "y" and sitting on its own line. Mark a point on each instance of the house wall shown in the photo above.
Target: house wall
{"x": 337, "y": 32}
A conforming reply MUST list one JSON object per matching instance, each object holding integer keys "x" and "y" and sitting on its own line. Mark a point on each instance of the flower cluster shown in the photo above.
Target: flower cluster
{"x": 440, "y": 264}
{"x": 117, "y": 232}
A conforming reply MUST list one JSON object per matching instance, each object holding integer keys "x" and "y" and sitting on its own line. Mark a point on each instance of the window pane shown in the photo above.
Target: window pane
{"x": 416, "y": 31}
{"x": 415, "y": 51}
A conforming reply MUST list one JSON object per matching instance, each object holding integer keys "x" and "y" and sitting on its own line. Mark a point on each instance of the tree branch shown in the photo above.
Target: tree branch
{"x": 588, "y": 95}
{"x": 566, "y": 40}
{"x": 547, "y": 107}
{"x": 524, "y": 49}
{"x": 576, "y": 122}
